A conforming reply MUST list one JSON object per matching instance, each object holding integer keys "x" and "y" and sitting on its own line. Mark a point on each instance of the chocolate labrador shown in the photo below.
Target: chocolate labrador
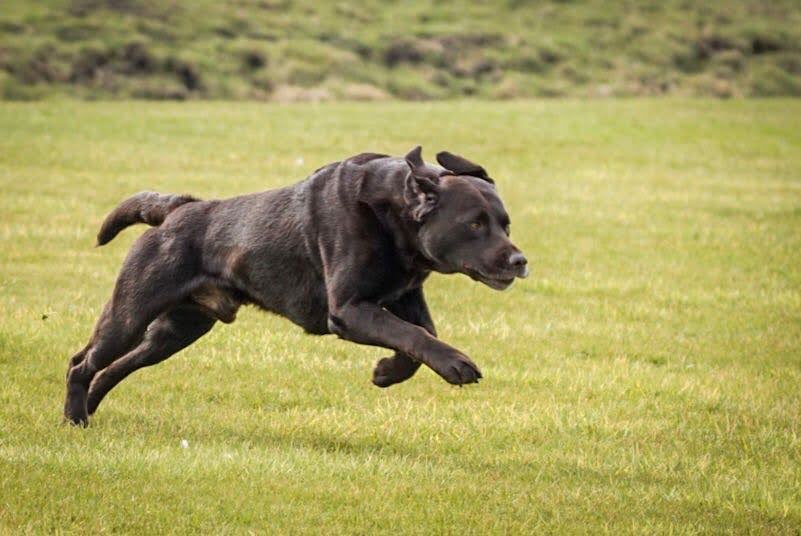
{"x": 345, "y": 251}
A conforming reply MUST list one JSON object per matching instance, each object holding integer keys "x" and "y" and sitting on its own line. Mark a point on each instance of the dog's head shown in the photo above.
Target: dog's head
{"x": 463, "y": 226}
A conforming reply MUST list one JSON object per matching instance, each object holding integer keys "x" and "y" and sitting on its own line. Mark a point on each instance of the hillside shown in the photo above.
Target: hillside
{"x": 367, "y": 49}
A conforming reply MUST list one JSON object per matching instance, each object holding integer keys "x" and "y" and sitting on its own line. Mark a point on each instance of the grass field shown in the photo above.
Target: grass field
{"x": 645, "y": 378}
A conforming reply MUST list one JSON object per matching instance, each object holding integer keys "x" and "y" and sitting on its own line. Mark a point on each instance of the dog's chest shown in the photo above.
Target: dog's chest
{"x": 400, "y": 285}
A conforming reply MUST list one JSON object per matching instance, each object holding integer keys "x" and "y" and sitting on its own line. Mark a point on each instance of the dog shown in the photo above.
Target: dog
{"x": 344, "y": 252}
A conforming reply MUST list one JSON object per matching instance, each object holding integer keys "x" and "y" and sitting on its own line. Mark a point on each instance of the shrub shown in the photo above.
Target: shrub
{"x": 185, "y": 72}
{"x": 772, "y": 81}
{"x": 402, "y": 51}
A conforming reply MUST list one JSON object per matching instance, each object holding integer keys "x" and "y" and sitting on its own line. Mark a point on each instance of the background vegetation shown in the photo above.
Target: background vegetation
{"x": 644, "y": 379}
{"x": 370, "y": 49}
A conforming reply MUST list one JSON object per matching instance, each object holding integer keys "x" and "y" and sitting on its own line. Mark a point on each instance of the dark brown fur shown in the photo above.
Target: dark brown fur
{"x": 345, "y": 251}
{"x": 145, "y": 207}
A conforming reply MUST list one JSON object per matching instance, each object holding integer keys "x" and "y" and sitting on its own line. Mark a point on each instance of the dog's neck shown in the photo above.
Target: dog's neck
{"x": 383, "y": 194}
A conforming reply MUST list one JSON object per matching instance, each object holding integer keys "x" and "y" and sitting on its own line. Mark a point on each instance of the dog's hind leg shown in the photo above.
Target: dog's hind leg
{"x": 166, "y": 335}
{"x": 155, "y": 277}
{"x": 112, "y": 338}
{"x": 79, "y": 356}
{"x": 400, "y": 367}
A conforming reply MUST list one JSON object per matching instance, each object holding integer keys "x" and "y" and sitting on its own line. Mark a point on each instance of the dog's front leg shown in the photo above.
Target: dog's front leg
{"x": 410, "y": 307}
{"x": 368, "y": 323}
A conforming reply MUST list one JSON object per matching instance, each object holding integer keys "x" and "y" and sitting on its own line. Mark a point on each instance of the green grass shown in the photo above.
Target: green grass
{"x": 645, "y": 378}
{"x": 413, "y": 50}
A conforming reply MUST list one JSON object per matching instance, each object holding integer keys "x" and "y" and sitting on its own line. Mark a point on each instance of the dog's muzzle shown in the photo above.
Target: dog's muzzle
{"x": 519, "y": 264}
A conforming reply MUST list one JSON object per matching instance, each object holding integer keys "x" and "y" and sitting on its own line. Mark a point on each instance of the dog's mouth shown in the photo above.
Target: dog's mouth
{"x": 497, "y": 282}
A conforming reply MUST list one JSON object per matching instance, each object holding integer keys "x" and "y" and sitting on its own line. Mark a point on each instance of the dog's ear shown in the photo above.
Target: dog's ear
{"x": 462, "y": 166}
{"x": 421, "y": 191}
{"x": 415, "y": 158}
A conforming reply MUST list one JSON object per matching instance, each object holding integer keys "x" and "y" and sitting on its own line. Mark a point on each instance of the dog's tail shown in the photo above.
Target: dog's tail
{"x": 145, "y": 207}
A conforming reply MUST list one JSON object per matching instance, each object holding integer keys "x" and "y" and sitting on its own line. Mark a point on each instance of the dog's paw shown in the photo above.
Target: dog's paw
{"x": 391, "y": 370}
{"x": 75, "y": 411}
{"x": 459, "y": 370}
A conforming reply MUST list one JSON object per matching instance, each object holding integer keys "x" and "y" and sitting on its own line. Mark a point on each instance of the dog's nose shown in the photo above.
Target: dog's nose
{"x": 518, "y": 261}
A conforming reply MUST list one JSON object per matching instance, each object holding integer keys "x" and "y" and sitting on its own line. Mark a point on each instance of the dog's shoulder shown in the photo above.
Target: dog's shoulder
{"x": 360, "y": 159}
{"x": 364, "y": 158}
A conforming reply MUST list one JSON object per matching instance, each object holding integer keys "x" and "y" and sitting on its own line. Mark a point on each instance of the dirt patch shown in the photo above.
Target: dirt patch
{"x": 137, "y": 59}
{"x": 300, "y": 94}
{"x": 87, "y": 64}
{"x": 765, "y": 45}
{"x": 707, "y": 46}
{"x": 402, "y": 51}
{"x": 364, "y": 92}
{"x": 254, "y": 59}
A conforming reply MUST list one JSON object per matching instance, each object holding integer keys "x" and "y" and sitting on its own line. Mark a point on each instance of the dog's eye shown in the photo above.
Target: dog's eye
{"x": 508, "y": 230}
{"x": 476, "y": 225}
